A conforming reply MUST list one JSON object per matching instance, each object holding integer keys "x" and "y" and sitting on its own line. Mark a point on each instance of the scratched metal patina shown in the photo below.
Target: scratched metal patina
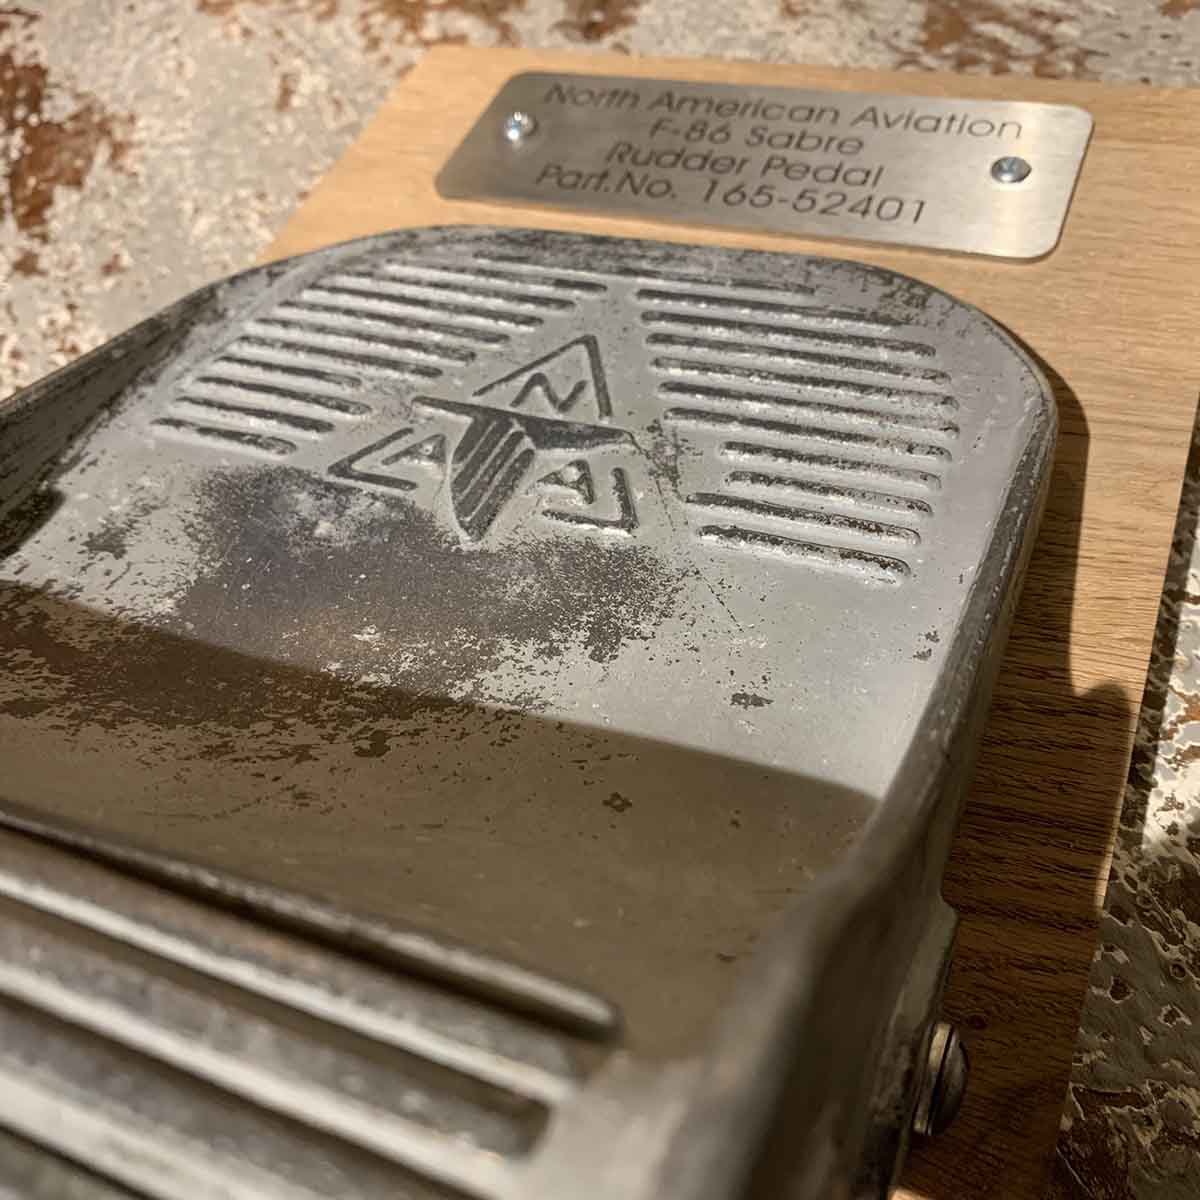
{"x": 130, "y": 176}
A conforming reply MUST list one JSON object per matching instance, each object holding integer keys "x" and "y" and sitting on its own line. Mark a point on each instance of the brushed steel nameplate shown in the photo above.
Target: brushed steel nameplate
{"x": 981, "y": 176}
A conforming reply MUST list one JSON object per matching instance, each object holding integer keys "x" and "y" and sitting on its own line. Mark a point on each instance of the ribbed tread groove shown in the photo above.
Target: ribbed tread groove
{"x": 370, "y": 332}
{"x": 723, "y": 285}
{"x": 297, "y": 352}
{"x": 292, "y": 422}
{"x": 373, "y": 312}
{"x": 228, "y": 384}
{"x": 789, "y": 486}
{"x": 671, "y": 365}
{"x": 838, "y": 465}
{"x": 818, "y": 314}
{"x": 246, "y": 362}
{"x": 402, "y": 300}
{"x": 532, "y": 276}
{"x": 325, "y": 336}
{"x": 656, "y": 275}
{"x": 917, "y": 418}
{"x": 866, "y": 566}
{"x": 856, "y": 527}
{"x": 229, "y": 439}
{"x": 776, "y": 332}
{"x": 705, "y": 419}
{"x": 416, "y": 280}
{"x": 808, "y": 358}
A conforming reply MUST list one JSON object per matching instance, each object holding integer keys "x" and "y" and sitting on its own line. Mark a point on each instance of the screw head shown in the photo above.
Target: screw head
{"x": 518, "y": 126}
{"x": 944, "y": 1082}
{"x": 1010, "y": 169}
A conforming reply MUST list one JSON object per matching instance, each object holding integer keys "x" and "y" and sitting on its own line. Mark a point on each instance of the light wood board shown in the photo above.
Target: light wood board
{"x": 1112, "y": 312}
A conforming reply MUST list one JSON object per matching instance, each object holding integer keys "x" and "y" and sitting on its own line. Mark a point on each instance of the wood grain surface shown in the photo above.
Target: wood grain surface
{"x": 1111, "y": 315}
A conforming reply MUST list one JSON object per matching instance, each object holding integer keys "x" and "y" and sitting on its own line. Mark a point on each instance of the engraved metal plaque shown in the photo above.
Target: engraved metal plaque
{"x": 981, "y": 176}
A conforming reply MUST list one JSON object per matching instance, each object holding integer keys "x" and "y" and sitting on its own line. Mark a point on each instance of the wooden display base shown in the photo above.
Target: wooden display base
{"x": 1112, "y": 315}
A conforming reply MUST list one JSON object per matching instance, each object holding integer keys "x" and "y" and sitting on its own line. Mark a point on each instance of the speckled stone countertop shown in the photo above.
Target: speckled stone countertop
{"x": 148, "y": 147}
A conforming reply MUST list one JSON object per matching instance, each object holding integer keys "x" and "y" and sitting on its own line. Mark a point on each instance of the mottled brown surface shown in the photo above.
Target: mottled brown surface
{"x": 595, "y": 20}
{"x": 147, "y": 148}
{"x": 997, "y": 37}
{"x": 378, "y": 23}
{"x": 168, "y": 158}
{"x": 45, "y": 153}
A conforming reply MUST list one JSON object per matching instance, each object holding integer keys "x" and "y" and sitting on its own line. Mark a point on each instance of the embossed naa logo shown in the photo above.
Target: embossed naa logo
{"x": 535, "y": 431}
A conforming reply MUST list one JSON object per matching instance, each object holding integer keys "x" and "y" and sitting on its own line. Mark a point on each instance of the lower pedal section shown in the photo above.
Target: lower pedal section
{"x": 182, "y": 1048}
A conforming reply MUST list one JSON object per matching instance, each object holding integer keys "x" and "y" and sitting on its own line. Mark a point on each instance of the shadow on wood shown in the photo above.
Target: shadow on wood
{"x": 1027, "y": 866}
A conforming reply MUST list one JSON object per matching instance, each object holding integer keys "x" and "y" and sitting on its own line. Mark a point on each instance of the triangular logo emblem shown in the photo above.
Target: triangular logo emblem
{"x": 568, "y": 381}
{"x": 531, "y": 432}
{"x": 381, "y": 462}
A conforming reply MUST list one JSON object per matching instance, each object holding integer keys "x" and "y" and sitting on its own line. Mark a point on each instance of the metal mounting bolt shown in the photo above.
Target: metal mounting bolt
{"x": 1010, "y": 169}
{"x": 943, "y": 1084}
{"x": 518, "y": 126}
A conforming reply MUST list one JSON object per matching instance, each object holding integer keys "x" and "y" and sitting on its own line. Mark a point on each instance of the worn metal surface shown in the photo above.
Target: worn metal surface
{"x": 32, "y": 1172}
{"x": 516, "y": 589}
{"x": 132, "y": 176}
{"x": 342, "y": 1048}
{"x": 841, "y": 165}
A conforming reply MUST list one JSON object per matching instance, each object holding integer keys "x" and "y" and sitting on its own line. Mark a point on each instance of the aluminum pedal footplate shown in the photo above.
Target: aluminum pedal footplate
{"x": 483, "y": 713}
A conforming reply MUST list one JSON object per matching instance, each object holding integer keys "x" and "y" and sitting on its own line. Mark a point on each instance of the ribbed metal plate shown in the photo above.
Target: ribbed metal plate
{"x": 461, "y": 550}
{"x": 527, "y": 598}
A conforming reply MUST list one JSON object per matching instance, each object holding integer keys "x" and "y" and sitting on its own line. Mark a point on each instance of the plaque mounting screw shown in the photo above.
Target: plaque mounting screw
{"x": 943, "y": 1083}
{"x": 1010, "y": 169}
{"x": 519, "y": 126}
